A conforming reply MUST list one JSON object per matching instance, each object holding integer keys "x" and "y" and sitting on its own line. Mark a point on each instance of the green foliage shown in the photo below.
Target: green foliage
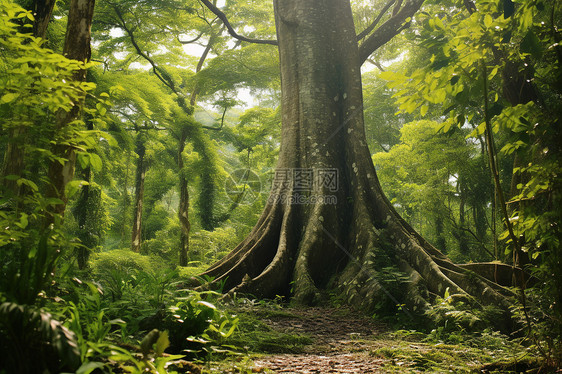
{"x": 32, "y": 341}
{"x": 198, "y": 325}
{"x": 37, "y": 86}
{"x": 382, "y": 122}
{"x": 208, "y": 246}
{"x": 393, "y": 282}
{"x": 92, "y": 219}
{"x": 87, "y": 319}
{"x": 137, "y": 284}
{"x": 27, "y": 270}
{"x": 433, "y": 179}
{"x": 156, "y": 342}
{"x": 121, "y": 260}
{"x": 209, "y": 172}
{"x": 511, "y": 51}
{"x": 457, "y": 314}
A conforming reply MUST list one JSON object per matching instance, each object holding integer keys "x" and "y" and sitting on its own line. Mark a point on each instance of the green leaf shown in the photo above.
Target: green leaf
{"x": 9, "y": 97}
{"x": 73, "y": 186}
{"x": 446, "y": 126}
{"x": 390, "y": 76}
{"x": 27, "y": 183}
{"x": 95, "y": 161}
{"x": 535, "y": 255}
{"x": 488, "y": 21}
{"x": 23, "y": 221}
{"x": 161, "y": 344}
{"x": 89, "y": 367}
{"x": 53, "y": 201}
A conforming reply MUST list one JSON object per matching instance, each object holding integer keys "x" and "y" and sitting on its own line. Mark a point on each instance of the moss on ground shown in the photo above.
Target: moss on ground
{"x": 257, "y": 337}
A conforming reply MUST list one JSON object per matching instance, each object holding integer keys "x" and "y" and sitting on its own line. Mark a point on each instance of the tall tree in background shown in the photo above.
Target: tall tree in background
{"x": 142, "y": 166}
{"x": 343, "y": 245}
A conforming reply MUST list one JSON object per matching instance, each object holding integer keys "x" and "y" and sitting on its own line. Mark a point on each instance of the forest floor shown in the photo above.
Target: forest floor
{"x": 338, "y": 340}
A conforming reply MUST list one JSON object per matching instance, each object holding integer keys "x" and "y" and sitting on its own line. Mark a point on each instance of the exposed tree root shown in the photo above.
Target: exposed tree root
{"x": 283, "y": 253}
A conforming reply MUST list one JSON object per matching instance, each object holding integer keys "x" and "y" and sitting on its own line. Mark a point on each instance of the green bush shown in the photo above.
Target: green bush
{"x": 121, "y": 260}
{"x": 165, "y": 243}
{"x": 136, "y": 287}
{"x": 198, "y": 326}
{"x": 208, "y": 246}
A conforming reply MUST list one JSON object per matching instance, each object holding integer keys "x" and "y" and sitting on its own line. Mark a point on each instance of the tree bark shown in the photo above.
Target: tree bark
{"x": 136, "y": 237}
{"x": 183, "y": 209}
{"x": 14, "y": 163}
{"x": 42, "y": 11}
{"x": 126, "y": 199}
{"x": 341, "y": 243}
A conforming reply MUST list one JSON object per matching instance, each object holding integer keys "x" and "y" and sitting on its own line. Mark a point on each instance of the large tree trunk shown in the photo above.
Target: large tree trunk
{"x": 336, "y": 236}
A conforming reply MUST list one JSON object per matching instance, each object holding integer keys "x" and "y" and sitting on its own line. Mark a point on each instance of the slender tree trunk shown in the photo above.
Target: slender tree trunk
{"x": 126, "y": 199}
{"x": 439, "y": 228}
{"x": 463, "y": 240}
{"x": 136, "y": 237}
{"x": 14, "y": 160}
{"x": 83, "y": 252}
{"x": 183, "y": 210}
{"x": 339, "y": 231}
{"x": 42, "y": 11}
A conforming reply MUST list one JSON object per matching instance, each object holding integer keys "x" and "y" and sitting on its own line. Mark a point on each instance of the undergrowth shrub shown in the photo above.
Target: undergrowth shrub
{"x": 33, "y": 341}
{"x": 136, "y": 288}
{"x": 197, "y": 326}
{"x": 123, "y": 260}
{"x": 455, "y": 314}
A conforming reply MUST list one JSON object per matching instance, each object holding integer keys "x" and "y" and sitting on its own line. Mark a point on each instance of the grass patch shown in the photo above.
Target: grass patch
{"x": 193, "y": 269}
{"x": 410, "y": 351}
{"x": 257, "y": 337}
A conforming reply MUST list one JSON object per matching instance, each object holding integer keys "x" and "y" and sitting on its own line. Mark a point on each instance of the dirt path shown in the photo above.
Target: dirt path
{"x": 341, "y": 343}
